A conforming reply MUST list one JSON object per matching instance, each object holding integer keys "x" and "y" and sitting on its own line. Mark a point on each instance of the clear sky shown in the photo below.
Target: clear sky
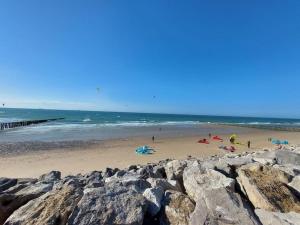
{"x": 201, "y": 57}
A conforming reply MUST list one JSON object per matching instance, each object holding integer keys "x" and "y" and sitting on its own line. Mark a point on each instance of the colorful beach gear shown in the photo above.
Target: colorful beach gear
{"x": 144, "y": 150}
{"x": 217, "y": 138}
{"x": 226, "y": 148}
{"x": 203, "y": 141}
{"x": 279, "y": 142}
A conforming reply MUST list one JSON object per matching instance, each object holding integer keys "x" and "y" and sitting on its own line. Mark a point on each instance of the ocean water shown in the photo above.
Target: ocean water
{"x": 92, "y": 125}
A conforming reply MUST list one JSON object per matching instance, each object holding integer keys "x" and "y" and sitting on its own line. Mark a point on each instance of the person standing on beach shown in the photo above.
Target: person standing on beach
{"x": 248, "y": 143}
{"x": 209, "y": 135}
{"x": 153, "y": 138}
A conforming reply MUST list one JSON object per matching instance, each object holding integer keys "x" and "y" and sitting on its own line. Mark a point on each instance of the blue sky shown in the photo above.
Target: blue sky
{"x": 199, "y": 57}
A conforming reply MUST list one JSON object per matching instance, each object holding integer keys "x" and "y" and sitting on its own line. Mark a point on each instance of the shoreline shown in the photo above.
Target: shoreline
{"x": 120, "y": 153}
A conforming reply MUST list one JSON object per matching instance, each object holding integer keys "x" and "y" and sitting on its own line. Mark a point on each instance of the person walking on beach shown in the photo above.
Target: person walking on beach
{"x": 248, "y": 143}
{"x": 209, "y": 135}
{"x": 153, "y": 138}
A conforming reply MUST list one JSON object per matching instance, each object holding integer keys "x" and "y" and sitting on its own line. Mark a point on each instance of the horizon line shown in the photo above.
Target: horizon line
{"x": 183, "y": 114}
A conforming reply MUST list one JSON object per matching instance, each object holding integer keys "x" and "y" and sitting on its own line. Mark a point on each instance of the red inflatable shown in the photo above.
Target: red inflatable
{"x": 203, "y": 141}
{"x": 217, "y": 138}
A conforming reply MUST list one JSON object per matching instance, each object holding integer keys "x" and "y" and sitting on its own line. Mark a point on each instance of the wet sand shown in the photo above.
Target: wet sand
{"x": 121, "y": 152}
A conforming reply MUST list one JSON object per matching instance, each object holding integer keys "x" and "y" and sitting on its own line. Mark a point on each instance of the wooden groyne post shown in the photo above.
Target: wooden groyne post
{"x": 9, "y": 125}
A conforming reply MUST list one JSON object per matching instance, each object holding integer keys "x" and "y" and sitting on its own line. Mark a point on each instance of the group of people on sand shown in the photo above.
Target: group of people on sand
{"x": 232, "y": 140}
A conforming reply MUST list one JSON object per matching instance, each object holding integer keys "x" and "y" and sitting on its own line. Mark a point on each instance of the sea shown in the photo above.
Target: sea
{"x": 94, "y": 125}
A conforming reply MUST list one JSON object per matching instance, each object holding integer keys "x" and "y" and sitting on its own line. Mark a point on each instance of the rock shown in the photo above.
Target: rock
{"x": 177, "y": 208}
{"x": 159, "y": 172}
{"x": 10, "y": 202}
{"x": 154, "y": 197}
{"x": 288, "y": 157}
{"x": 238, "y": 162}
{"x": 174, "y": 169}
{"x": 148, "y": 171}
{"x": 112, "y": 204}
{"x": 51, "y": 208}
{"x": 292, "y": 170}
{"x": 295, "y": 184}
{"x": 265, "y": 157}
{"x": 53, "y": 176}
{"x": 219, "y": 165}
{"x": 6, "y": 183}
{"x": 197, "y": 179}
{"x": 132, "y": 167}
{"x": 110, "y": 172}
{"x": 277, "y": 218}
{"x": 130, "y": 180}
{"x": 120, "y": 173}
{"x": 94, "y": 179}
{"x": 221, "y": 206}
{"x": 267, "y": 189}
{"x": 164, "y": 184}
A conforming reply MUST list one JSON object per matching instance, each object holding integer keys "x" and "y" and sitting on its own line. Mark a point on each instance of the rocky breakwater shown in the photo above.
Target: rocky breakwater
{"x": 261, "y": 187}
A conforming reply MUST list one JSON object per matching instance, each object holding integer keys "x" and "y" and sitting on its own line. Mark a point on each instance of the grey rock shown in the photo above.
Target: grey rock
{"x": 165, "y": 184}
{"x": 51, "y": 208}
{"x": 277, "y": 218}
{"x": 6, "y": 183}
{"x": 221, "y": 206}
{"x": 292, "y": 170}
{"x": 109, "y": 172}
{"x": 288, "y": 157}
{"x": 197, "y": 179}
{"x": 265, "y": 157}
{"x": 154, "y": 197}
{"x": 174, "y": 169}
{"x": 112, "y": 204}
{"x": 238, "y": 162}
{"x": 177, "y": 208}
{"x": 10, "y": 202}
{"x": 130, "y": 180}
{"x": 149, "y": 171}
{"x": 295, "y": 184}
{"x": 53, "y": 176}
{"x": 132, "y": 167}
{"x": 159, "y": 172}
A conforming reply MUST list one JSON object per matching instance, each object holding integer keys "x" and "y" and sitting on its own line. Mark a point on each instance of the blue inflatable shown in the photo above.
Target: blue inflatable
{"x": 144, "y": 150}
{"x": 278, "y": 142}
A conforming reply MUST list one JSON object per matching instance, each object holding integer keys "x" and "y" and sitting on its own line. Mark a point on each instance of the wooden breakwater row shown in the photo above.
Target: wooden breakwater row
{"x": 9, "y": 125}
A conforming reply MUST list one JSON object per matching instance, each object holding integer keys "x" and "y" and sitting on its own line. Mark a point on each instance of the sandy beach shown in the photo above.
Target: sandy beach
{"x": 121, "y": 152}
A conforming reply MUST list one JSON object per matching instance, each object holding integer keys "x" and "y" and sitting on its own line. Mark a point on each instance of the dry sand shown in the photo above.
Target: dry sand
{"x": 121, "y": 153}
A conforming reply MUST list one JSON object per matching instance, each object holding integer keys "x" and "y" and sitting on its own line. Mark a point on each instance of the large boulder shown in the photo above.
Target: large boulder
{"x": 197, "y": 179}
{"x": 267, "y": 188}
{"x": 295, "y": 184}
{"x": 277, "y": 218}
{"x": 174, "y": 169}
{"x": 130, "y": 180}
{"x": 221, "y": 206}
{"x": 177, "y": 208}
{"x": 111, "y": 204}
{"x": 11, "y": 202}
{"x": 154, "y": 197}
{"x": 51, "y": 208}
{"x": 52, "y": 176}
{"x": 6, "y": 183}
{"x": 164, "y": 184}
{"x": 266, "y": 157}
{"x": 237, "y": 162}
{"x": 288, "y": 157}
